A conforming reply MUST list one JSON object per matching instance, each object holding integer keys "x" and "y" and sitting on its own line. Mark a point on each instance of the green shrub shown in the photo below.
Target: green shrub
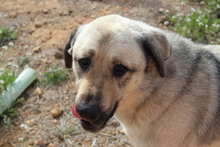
{"x": 54, "y": 76}
{"x": 10, "y": 112}
{"x": 6, "y": 78}
{"x": 7, "y": 35}
{"x": 201, "y": 26}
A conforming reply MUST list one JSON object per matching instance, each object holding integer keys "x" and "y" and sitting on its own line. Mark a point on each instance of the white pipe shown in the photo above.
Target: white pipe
{"x": 16, "y": 88}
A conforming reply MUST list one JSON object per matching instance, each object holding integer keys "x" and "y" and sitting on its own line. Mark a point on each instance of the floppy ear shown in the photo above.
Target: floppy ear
{"x": 157, "y": 45}
{"x": 67, "y": 50}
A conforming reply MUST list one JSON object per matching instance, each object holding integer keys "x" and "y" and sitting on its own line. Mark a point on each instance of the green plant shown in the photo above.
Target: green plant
{"x": 6, "y": 78}
{"x": 10, "y": 112}
{"x": 23, "y": 61}
{"x": 6, "y": 35}
{"x": 201, "y": 26}
{"x": 54, "y": 76}
{"x": 66, "y": 130}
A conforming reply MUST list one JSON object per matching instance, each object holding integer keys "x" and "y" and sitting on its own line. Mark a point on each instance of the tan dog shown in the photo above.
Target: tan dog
{"x": 164, "y": 89}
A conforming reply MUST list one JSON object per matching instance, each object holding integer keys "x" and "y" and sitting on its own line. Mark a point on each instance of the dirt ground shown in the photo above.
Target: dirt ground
{"x": 43, "y": 27}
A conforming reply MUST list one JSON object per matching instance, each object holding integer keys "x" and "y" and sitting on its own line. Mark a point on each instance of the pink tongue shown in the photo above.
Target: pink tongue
{"x": 75, "y": 114}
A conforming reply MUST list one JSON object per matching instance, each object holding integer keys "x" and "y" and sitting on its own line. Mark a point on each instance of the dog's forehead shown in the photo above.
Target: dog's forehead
{"x": 108, "y": 35}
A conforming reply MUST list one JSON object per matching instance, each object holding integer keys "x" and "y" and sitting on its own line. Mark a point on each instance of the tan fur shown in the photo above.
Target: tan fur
{"x": 170, "y": 99}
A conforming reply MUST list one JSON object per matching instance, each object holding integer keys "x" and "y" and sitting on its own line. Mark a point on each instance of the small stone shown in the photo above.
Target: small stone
{"x": 31, "y": 143}
{"x": 113, "y": 133}
{"x": 61, "y": 13}
{"x": 38, "y": 91}
{"x": 56, "y": 112}
{"x": 161, "y": 10}
{"x": 121, "y": 131}
{"x": 28, "y": 11}
{"x": 52, "y": 145}
{"x": 38, "y": 24}
{"x": 55, "y": 121}
{"x": 45, "y": 11}
{"x": 12, "y": 15}
{"x": 33, "y": 133}
{"x": 65, "y": 13}
{"x": 160, "y": 25}
{"x": 28, "y": 122}
{"x": 58, "y": 55}
{"x": 37, "y": 49}
{"x": 40, "y": 142}
{"x": 164, "y": 18}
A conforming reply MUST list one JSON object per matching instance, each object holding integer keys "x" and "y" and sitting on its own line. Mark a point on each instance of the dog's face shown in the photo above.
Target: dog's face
{"x": 111, "y": 56}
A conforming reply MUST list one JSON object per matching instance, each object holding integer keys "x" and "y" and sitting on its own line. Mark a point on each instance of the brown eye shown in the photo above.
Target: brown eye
{"x": 119, "y": 70}
{"x": 84, "y": 63}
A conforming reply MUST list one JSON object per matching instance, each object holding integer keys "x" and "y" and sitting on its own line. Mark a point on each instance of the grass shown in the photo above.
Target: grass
{"x": 10, "y": 112}
{"x": 23, "y": 61}
{"x": 7, "y": 35}
{"x": 6, "y": 78}
{"x": 201, "y": 26}
{"x": 54, "y": 76}
{"x": 66, "y": 130}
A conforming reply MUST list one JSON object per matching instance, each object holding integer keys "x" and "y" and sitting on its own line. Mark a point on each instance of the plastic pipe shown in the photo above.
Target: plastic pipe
{"x": 16, "y": 88}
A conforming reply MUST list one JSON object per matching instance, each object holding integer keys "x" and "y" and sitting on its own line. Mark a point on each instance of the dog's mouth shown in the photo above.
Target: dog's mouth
{"x": 91, "y": 127}
{"x": 97, "y": 125}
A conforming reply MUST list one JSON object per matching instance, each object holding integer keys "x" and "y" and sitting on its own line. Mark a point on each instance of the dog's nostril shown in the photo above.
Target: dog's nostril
{"x": 90, "y": 112}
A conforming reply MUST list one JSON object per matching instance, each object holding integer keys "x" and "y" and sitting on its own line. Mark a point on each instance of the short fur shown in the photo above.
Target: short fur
{"x": 170, "y": 96}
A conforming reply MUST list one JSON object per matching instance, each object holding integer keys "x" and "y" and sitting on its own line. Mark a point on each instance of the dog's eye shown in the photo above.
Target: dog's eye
{"x": 84, "y": 63}
{"x": 119, "y": 70}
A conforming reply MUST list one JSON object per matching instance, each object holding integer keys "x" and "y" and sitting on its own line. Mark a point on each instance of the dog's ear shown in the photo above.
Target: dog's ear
{"x": 67, "y": 50}
{"x": 157, "y": 46}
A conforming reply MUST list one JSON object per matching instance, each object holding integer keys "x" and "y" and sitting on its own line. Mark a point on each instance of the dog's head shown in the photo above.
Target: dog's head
{"x": 112, "y": 56}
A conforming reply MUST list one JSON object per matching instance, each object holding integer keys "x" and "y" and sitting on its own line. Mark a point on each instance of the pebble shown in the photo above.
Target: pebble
{"x": 37, "y": 49}
{"x": 56, "y": 112}
{"x": 33, "y": 133}
{"x": 58, "y": 55}
{"x": 161, "y": 10}
{"x": 55, "y": 121}
{"x": 45, "y": 11}
{"x": 31, "y": 143}
{"x": 38, "y": 91}
{"x": 40, "y": 142}
{"x": 164, "y": 18}
{"x": 12, "y": 14}
{"x": 38, "y": 24}
{"x": 52, "y": 145}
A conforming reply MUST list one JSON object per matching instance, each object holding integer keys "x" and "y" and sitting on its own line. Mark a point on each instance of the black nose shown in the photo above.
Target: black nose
{"x": 90, "y": 112}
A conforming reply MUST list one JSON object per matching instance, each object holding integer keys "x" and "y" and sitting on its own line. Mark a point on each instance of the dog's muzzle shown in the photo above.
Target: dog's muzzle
{"x": 92, "y": 117}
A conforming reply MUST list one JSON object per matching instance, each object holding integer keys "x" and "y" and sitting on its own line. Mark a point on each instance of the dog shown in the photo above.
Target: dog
{"x": 163, "y": 88}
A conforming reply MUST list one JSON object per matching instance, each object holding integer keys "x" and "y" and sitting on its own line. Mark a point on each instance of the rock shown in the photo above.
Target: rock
{"x": 38, "y": 91}
{"x": 65, "y": 13}
{"x": 58, "y": 55}
{"x": 56, "y": 112}
{"x": 52, "y": 145}
{"x": 12, "y": 14}
{"x": 163, "y": 19}
{"x": 161, "y": 10}
{"x": 40, "y": 142}
{"x": 38, "y": 24}
{"x": 55, "y": 121}
{"x": 28, "y": 11}
{"x": 45, "y": 11}
{"x": 31, "y": 143}
{"x": 37, "y": 49}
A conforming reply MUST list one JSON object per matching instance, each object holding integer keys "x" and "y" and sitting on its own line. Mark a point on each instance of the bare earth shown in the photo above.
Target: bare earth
{"x": 44, "y": 26}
